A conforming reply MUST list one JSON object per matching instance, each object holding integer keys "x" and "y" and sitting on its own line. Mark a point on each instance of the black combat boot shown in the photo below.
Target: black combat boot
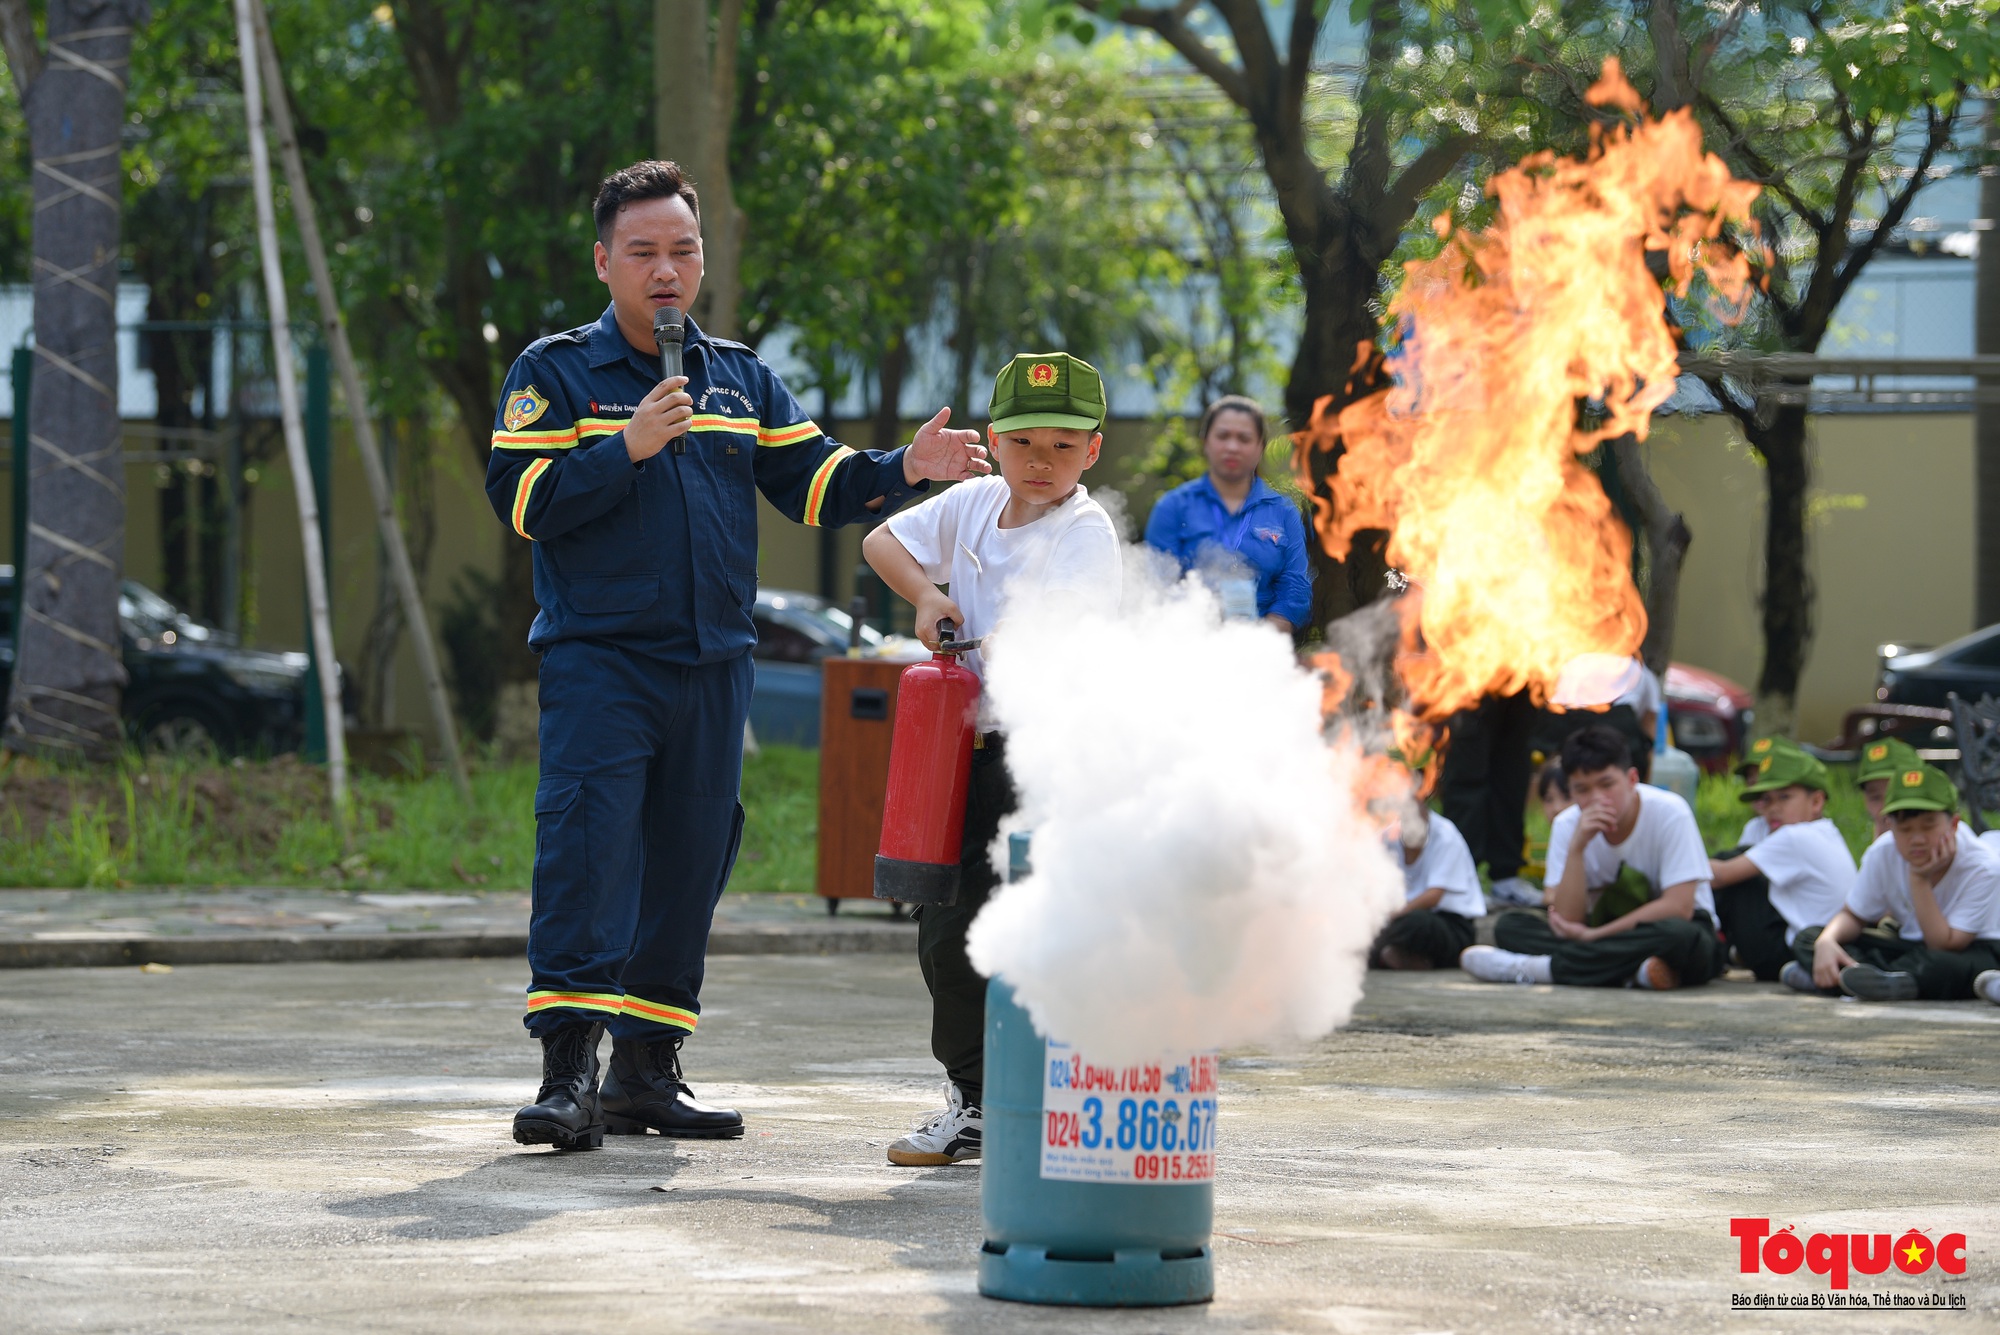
{"x": 644, "y": 1091}
{"x": 566, "y": 1113}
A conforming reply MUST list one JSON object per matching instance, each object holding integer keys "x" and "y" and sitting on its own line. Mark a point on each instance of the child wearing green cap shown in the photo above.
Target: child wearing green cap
{"x": 1940, "y": 884}
{"x": 1881, "y": 760}
{"x": 1797, "y": 876}
{"x": 1030, "y": 530}
{"x": 1756, "y": 827}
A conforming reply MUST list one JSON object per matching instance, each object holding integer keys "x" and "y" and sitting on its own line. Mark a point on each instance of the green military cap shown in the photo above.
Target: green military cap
{"x": 1048, "y": 389}
{"x": 1885, "y": 758}
{"x": 1753, "y": 755}
{"x": 1783, "y": 764}
{"x": 1921, "y": 788}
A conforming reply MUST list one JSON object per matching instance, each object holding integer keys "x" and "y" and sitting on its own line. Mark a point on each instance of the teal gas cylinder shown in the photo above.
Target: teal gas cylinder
{"x": 1096, "y": 1181}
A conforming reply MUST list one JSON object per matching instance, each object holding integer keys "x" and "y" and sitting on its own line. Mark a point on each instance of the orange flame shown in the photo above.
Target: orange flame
{"x": 1471, "y": 460}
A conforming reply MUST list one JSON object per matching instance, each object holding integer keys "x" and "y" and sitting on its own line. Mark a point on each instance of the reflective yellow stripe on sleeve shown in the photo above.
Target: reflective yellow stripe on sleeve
{"x": 590, "y": 428}
{"x": 746, "y": 426}
{"x": 821, "y": 480}
{"x": 787, "y": 435}
{"x": 529, "y": 475}
{"x": 535, "y": 440}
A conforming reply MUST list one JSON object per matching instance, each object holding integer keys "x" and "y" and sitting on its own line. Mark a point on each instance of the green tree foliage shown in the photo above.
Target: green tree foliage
{"x": 963, "y": 179}
{"x": 1845, "y": 113}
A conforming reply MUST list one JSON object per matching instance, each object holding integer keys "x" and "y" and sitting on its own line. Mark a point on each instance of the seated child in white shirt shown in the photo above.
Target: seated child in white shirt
{"x": 1797, "y": 876}
{"x": 1441, "y": 897}
{"x": 1618, "y": 825}
{"x": 1940, "y": 884}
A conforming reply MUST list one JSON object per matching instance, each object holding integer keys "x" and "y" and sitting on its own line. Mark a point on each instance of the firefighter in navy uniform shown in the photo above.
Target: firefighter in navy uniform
{"x": 640, "y": 497}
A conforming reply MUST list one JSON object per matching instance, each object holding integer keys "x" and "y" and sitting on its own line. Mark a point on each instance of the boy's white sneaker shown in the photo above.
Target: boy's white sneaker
{"x": 1490, "y": 964}
{"x": 1516, "y": 892}
{"x": 1987, "y": 985}
{"x": 948, "y": 1136}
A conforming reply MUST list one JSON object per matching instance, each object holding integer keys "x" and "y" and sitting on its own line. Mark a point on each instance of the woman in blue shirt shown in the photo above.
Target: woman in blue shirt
{"x": 1245, "y": 538}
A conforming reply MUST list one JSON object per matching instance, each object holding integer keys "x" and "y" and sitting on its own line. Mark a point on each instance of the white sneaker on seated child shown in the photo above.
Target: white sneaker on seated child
{"x": 1490, "y": 964}
{"x": 1516, "y": 892}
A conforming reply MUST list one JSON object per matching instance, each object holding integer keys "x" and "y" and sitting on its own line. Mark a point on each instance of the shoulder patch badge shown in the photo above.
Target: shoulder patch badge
{"x": 523, "y": 406}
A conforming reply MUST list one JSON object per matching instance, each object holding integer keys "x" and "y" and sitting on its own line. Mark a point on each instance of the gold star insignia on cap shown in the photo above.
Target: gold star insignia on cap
{"x": 1913, "y": 778}
{"x": 1041, "y": 373}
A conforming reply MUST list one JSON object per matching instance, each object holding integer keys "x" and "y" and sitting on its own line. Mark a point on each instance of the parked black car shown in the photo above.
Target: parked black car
{"x": 1909, "y": 675}
{"x": 192, "y": 687}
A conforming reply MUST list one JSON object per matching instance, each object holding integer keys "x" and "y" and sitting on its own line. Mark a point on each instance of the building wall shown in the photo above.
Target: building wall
{"x": 1886, "y": 486}
{"x": 1890, "y": 545}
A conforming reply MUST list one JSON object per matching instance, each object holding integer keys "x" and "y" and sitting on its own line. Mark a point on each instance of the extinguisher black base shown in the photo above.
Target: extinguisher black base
{"x": 916, "y": 882}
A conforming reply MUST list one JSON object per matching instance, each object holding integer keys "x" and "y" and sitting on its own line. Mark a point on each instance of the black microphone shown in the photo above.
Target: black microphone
{"x": 670, "y": 332}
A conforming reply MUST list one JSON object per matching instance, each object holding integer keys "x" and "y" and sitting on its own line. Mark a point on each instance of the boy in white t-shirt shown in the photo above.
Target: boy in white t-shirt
{"x": 1617, "y": 826}
{"x": 1797, "y": 876}
{"x": 1882, "y": 760}
{"x": 1030, "y": 531}
{"x": 1940, "y": 884}
{"x": 1756, "y": 827}
{"x": 1441, "y": 897}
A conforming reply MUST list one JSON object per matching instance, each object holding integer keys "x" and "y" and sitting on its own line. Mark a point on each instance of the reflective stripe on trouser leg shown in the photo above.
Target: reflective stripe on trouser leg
{"x": 692, "y": 827}
{"x": 600, "y": 726}
{"x": 595, "y": 1005}
{"x": 673, "y": 1017}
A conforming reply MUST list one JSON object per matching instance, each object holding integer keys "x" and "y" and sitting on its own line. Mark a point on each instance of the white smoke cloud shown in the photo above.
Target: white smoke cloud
{"x": 1202, "y": 877}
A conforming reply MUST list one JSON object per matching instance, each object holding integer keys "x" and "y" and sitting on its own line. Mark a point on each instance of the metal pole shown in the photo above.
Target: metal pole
{"x": 24, "y": 375}
{"x": 319, "y": 455}
{"x": 288, "y": 408}
{"x": 383, "y": 495}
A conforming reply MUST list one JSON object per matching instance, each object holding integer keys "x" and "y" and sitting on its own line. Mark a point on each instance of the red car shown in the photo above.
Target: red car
{"x": 1709, "y": 713}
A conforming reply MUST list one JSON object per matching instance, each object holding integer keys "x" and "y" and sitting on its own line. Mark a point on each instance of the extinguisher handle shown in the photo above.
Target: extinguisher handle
{"x": 947, "y": 645}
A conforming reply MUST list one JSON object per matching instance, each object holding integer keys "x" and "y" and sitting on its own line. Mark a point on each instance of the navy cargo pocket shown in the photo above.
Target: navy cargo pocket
{"x": 562, "y": 861}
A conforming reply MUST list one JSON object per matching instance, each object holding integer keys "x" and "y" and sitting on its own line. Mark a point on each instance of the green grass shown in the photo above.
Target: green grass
{"x": 780, "y": 821}
{"x": 144, "y": 823}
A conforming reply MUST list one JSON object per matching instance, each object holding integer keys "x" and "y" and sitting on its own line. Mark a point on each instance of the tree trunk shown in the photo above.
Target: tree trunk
{"x": 1986, "y": 320}
{"x": 1666, "y": 538}
{"x": 683, "y": 91}
{"x": 723, "y": 222}
{"x": 69, "y": 672}
{"x": 406, "y": 457}
{"x": 1788, "y": 594}
{"x": 694, "y": 108}
{"x": 890, "y": 373}
{"x": 1335, "y": 362}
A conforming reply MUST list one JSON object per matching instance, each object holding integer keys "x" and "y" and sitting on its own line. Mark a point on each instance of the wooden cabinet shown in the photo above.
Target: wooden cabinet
{"x": 857, "y": 711}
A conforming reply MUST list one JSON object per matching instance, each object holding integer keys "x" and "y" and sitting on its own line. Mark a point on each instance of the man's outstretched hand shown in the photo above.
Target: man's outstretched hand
{"x": 941, "y": 454}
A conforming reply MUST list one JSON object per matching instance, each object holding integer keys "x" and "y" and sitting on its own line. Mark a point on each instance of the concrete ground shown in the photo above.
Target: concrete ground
{"x": 325, "y": 1147}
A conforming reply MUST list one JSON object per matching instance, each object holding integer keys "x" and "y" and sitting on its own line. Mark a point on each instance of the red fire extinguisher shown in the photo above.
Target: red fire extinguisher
{"x": 930, "y": 769}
